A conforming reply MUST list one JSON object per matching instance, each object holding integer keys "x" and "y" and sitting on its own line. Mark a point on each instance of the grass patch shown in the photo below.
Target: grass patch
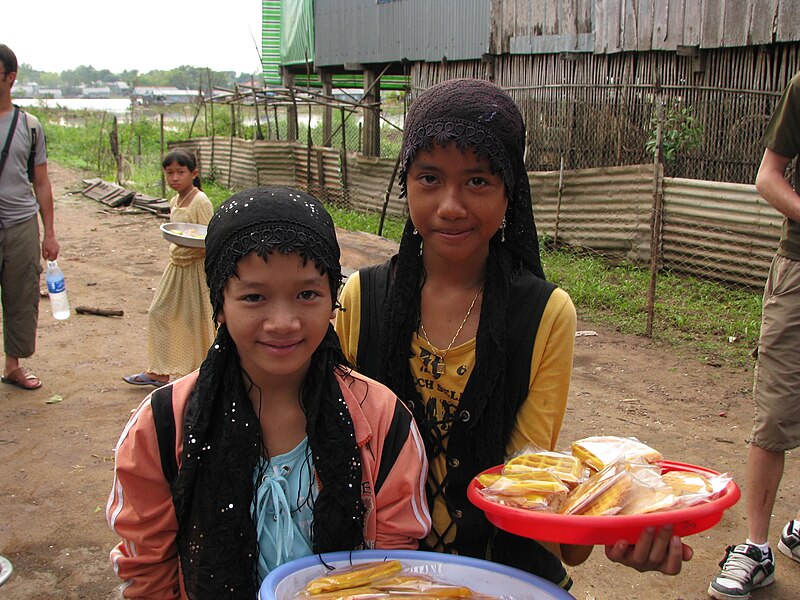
{"x": 369, "y": 222}
{"x": 711, "y": 321}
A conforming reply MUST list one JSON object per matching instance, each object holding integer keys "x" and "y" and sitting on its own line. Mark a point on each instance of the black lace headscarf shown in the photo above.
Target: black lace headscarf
{"x": 214, "y": 489}
{"x": 478, "y": 115}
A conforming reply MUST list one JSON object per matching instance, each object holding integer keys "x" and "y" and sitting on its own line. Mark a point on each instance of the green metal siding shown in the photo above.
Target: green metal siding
{"x": 273, "y": 23}
{"x": 297, "y": 32}
{"x": 271, "y": 41}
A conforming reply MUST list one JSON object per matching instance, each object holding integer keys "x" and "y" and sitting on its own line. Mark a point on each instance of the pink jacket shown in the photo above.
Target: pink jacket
{"x": 140, "y": 505}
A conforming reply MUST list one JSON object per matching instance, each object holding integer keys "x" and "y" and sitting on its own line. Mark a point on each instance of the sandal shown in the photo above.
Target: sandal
{"x": 143, "y": 379}
{"x": 22, "y": 378}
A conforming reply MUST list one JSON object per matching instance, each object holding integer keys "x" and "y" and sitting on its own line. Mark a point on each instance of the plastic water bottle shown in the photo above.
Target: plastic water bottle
{"x": 57, "y": 290}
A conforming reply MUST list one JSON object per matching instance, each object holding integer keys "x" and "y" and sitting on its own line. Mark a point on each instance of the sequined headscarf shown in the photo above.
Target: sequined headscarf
{"x": 214, "y": 489}
{"x": 478, "y": 115}
{"x": 472, "y": 113}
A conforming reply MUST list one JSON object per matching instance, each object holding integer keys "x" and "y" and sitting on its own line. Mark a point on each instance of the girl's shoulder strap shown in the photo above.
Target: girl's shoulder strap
{"x": 529, "y": 297}
{"x": 164, "y": 421}
{"x": 375, "y": 282}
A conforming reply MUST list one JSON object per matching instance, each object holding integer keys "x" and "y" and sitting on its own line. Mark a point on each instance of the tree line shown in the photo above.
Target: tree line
{"x": 185, "y": 77}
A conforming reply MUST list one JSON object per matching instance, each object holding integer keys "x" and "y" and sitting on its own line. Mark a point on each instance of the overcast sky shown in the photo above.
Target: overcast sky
{"x": 55, "y": 35}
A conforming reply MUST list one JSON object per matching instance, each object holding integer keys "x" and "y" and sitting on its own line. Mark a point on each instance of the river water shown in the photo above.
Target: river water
{"x": 113, "y": 105}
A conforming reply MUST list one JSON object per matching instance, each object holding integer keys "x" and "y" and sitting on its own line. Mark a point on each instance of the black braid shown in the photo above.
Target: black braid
{"x": 338, "y": 510}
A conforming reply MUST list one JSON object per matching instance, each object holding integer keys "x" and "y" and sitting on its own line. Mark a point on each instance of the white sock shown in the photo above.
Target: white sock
{"x": 763, "y": 547}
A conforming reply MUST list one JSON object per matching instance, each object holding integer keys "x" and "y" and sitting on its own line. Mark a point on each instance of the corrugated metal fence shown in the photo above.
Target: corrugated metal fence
{"x": 721, "y": 231}
{"x": 350, "y": 180}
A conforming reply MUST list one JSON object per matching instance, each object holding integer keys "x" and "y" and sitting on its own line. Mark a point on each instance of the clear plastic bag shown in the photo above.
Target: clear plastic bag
{"x": 598, "y": 452}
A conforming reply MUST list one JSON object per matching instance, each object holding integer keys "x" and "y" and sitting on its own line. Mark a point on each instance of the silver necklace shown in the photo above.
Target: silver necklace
{"x": 438, "y": 366}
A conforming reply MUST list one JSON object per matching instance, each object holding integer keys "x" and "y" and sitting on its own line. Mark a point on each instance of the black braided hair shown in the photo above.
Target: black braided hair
{"x": 478, "y": 115}
{"x": 214, "y": 489}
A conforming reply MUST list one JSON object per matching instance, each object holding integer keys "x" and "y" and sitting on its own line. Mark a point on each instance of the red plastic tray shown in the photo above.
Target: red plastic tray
{"x": 592, "y": 530}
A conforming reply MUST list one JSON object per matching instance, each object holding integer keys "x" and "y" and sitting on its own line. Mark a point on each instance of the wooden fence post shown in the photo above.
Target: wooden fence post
{"x": 558, "y": 204}
{"x": 344, "y": 152}
{"x": 658, "y": 206}
{"x": 327, "y": 109}
{"x": 372, "y": 114}
{"x": 163, "y": 181}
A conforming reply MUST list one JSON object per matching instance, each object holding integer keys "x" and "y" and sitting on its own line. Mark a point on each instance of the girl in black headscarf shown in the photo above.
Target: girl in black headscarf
{"x": 280, "y": 449}
{"x": 463, "y": 326}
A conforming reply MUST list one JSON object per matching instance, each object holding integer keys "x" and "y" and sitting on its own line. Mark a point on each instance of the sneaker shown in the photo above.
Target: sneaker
{"x": 789, "y": 543}
{"x": 744, "y": 569}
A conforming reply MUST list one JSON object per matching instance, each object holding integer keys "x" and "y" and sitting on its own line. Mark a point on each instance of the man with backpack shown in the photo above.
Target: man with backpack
{"x": 24, "y": 191}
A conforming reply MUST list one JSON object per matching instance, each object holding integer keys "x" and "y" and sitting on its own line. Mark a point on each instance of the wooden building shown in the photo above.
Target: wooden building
{"x": 587, "y": 74}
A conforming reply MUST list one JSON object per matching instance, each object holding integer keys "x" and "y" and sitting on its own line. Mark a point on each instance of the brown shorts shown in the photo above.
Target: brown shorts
{"x": 777, "y": 375}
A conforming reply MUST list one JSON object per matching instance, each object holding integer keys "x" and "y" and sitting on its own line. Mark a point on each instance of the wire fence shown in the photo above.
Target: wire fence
{"x": 707, "y": 134}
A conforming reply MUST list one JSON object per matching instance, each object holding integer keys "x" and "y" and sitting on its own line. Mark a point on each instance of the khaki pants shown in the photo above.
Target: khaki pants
{"x": 777, "y": 376}
{"x": 20, "y": 268}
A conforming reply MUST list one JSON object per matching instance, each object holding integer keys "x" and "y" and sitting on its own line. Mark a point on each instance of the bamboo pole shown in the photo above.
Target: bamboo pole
{"x": 259, "y": 133}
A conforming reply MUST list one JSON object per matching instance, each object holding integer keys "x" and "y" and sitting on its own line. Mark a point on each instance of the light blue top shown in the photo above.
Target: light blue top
{"x": 282, "y": 511}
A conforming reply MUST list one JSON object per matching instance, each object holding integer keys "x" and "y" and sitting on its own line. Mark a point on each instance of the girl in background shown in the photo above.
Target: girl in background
{"x": 180, "y": 327}
{"x": 462, "y": 325}
{"x": 282, "y": 451}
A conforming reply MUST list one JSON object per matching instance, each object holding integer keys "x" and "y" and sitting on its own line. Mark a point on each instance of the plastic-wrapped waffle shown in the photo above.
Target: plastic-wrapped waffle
{"x": 692, "y": 488}
{"x": 399, "y": 584}
{"x": 600, "y": 451}
{"x": 361, "y": 575}
{"x": 684, "y": 483}
{"x": 649, "y": 492}
{"x": 528, "y": 501}
{"x": 361, "y": 593}
{"x": 414, "y": 585}
{"x": 604, "y": 493}
{"x": 533, "y": 481}
{"x": 531, "y": 489}
{"x": 566, "y": 467}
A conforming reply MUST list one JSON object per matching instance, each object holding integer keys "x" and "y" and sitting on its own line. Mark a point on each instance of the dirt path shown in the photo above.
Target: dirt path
{"x": 57, "y": 457}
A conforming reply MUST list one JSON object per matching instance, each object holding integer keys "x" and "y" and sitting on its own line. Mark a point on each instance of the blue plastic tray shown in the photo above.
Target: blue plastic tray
{"x": 481, "y": 575}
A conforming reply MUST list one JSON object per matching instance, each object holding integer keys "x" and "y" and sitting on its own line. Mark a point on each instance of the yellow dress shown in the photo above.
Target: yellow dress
{"x": 180, "y": 328}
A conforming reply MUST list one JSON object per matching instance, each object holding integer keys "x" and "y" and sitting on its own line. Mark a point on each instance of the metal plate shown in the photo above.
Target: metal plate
{"x": 185, "y": 234}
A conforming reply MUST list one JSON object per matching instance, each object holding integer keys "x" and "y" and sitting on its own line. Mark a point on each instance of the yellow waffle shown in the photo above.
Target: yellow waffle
{"x": 533, "y": 481}
{"x": 360, "y": 593}
{"x": 487, "y": 479}
{"x": 605, "y": 493}
{"x": 600, "y": 451}
{"x": 417, "y": 586}
{"x": 403, "y": 581}
{"x": 566, "y": 467}
{"x": 528, "y": 502}
{"x": 684, "y": 483}
{"x": 360, "y": 575}
{"x": 649, "y": 493}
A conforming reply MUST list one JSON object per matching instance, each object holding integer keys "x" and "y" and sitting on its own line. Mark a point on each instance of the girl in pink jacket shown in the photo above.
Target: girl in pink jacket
{"x": 274, "y": 449}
